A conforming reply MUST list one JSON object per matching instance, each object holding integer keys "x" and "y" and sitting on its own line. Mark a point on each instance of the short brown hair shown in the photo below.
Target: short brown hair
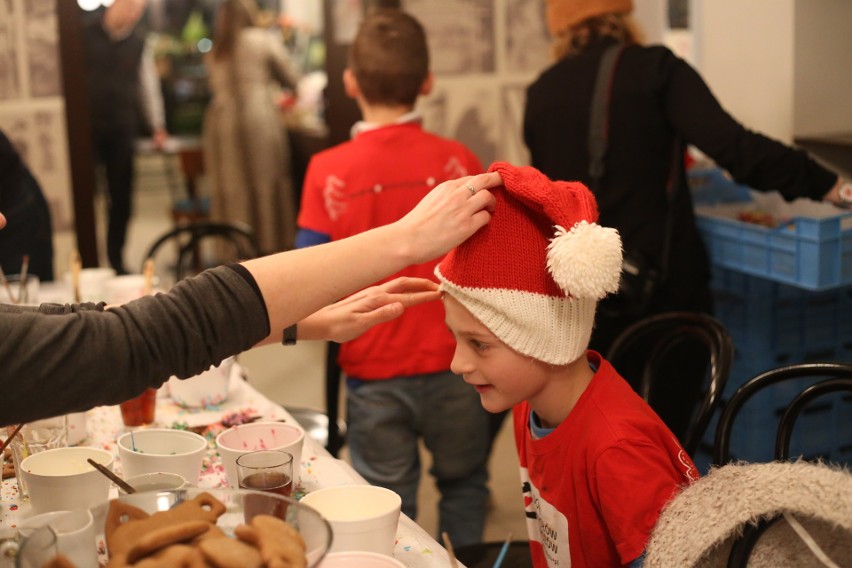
{"x": 390, "y": 57}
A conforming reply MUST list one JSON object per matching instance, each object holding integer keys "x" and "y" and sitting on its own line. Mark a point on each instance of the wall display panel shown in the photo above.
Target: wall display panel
{"x": 527, "y": 43}
{"x": 484, "y": 54}
{"x": 465, "y": 111}
{"x": 32, "y": 106}
{"x": 42, "y": 39}
{"x": 10, "y": 72}
{"x": 461, "y": 34}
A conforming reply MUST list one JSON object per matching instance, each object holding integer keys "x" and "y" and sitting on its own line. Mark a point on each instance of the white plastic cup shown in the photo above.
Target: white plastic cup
{"x": 62, "y": 479}
{"x": 74, "y": 530}
{"x": 203, "y": 390}
{"x": 152, "y": 450}
{"x": 362, "y": 517}
{"x": 77, "y": 428}
{"x": 92, "y": 283}
{"x": 358, "y": 559}
{"x": 158, "y": 481}
{"x": 245, "y": 438}
{"x": 125, "y": 288}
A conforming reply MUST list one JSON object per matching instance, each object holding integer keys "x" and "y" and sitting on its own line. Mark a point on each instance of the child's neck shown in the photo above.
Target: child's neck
{"x": 382, "y": 114}
{"x": 566, "y": 387}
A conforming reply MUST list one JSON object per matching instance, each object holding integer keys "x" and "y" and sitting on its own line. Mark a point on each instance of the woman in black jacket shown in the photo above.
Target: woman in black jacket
{"x": 657, "y": 105}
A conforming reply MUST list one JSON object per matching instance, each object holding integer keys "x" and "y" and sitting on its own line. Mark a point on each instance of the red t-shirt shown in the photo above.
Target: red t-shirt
{"x": 593, "y": 488}
{"x": 370, "y": 181}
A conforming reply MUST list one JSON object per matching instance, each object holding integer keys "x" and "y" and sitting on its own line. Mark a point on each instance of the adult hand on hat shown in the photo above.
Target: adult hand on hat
{"x": 449, "y": 214}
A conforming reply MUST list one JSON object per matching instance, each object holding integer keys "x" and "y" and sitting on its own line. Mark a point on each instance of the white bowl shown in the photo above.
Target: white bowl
{"x": 362, "y": 517}
{"x": 159, "y": 481}
{"x": 62, "y": 480}
{"x": 359, "y": 559}
{"x": 162, "y": 449}
{"x": 73, "y": 531}
{"x": 245, "y": 438}
{"x": 204, "y": 390}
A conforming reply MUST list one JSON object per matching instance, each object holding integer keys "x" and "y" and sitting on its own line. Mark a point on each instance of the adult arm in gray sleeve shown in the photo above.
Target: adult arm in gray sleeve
{"x": 54, "y": 364}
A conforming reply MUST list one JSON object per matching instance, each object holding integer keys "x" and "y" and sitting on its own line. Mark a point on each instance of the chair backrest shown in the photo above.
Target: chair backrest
{"x": 202, "y": 244}
{"x": 840, "y": 379}
{"x": 658, "y": 337}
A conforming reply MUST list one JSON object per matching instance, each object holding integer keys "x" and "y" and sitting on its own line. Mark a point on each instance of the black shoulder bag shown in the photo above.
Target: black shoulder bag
{"x": 640, "y": 277}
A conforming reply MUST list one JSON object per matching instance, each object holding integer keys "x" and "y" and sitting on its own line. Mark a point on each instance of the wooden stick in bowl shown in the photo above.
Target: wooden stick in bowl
{"x": 113, "y": 477}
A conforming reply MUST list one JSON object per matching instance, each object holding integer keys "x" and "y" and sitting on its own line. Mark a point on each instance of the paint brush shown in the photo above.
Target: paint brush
{"x": 148, "y": 274}
{"x": 11, "y": 436}
{"x": 503, "y": 550}
{"x": 6, "y": 286}
{"x": 449, "y": 546}
{"x": 126, "y": 487}
{"x": 76, "y": 267}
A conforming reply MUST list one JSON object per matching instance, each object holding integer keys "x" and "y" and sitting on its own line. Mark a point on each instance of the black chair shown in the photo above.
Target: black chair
{"x": 840, "y": 379}
{"x": 655, "y": 341}
{"x": 201, "y": 244}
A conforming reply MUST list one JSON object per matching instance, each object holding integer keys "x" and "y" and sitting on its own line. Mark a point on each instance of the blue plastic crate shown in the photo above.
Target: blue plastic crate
{"x": 775, "y": 323}
{"x": 822, "y": 430}
{"x": 815, "y": 254}
{"x": 710, "y": 186}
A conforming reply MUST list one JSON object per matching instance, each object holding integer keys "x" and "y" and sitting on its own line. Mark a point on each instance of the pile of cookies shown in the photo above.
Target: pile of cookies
{"x": 187, "y": 536}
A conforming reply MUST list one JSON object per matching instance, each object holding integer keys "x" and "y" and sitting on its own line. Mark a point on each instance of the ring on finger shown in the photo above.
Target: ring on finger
{"x": 470, "y": 188}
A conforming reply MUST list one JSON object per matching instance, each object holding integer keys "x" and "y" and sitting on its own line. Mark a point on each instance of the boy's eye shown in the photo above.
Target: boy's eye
{"x": 478, "y": 345}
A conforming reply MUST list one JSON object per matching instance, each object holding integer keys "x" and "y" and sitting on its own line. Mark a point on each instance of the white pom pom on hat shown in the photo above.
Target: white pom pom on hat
{"x": 534, "y": 274}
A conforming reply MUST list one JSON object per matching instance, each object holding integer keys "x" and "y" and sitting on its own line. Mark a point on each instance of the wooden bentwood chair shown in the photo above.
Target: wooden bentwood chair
{"x": 657, "y": 338}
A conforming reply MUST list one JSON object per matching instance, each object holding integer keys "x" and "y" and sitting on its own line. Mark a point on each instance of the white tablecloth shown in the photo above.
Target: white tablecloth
{"x": 414, "y": 547}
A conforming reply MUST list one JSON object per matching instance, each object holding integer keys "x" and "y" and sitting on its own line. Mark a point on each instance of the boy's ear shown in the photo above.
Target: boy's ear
{"x": 427, "y": 85}
{"x": 350, "y": 84}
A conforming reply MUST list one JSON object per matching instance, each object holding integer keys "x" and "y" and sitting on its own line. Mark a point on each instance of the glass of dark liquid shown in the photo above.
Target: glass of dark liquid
{"x": 270, "y": 471}
{"x": 140, "y": 410}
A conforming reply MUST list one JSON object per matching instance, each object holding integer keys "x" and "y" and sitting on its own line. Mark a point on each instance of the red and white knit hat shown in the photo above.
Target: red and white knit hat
{"x": 533, "y": 275}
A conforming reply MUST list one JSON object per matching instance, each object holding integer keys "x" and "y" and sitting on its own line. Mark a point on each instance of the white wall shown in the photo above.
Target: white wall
{"x": 782, "y": 67}
{"x": 744, "y": 50}
{"x": 823, "y": 64}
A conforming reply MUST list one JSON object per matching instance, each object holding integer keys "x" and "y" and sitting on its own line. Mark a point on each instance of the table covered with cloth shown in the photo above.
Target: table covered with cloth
{"x": 414, "y": 547}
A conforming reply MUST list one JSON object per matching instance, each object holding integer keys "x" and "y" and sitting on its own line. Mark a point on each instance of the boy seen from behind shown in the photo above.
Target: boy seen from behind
{"x": 399, "y": 385}
{"x": 597, "y": 464}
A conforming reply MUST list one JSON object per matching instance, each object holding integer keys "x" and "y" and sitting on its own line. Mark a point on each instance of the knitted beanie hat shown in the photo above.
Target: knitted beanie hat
{"x": 534, "y": 274}
{"x": 562, "y": 14}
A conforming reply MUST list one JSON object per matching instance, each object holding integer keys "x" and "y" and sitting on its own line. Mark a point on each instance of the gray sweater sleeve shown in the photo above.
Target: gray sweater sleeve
{"x": 55, "y": 364}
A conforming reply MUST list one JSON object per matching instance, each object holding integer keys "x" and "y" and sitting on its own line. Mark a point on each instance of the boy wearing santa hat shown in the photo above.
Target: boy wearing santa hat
{"x": 597, "y": 464}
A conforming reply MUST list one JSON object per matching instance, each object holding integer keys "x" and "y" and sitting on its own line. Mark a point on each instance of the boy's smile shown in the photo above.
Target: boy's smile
{"x": 502, "y": 376}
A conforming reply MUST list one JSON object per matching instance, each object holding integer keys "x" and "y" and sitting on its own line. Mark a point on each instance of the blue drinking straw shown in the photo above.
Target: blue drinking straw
{"x": 503, "y": 550}
{"x": 132, "y": 442}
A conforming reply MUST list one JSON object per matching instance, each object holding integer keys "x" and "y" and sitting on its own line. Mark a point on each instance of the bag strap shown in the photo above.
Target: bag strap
{"x": 599, "y": 113}
{"x": 599, "y": 138}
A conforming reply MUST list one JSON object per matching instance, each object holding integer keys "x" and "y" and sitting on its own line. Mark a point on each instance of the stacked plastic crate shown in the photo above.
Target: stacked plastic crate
{"x": 785, "y": 295}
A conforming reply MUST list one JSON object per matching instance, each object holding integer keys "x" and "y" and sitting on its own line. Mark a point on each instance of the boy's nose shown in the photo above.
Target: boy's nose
{"x": 458, "y": 365}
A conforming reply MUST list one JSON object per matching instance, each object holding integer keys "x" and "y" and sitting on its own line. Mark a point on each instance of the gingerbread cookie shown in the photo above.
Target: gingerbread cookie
{"x": 280, "y": 545}
{"x": 230, "y": 553}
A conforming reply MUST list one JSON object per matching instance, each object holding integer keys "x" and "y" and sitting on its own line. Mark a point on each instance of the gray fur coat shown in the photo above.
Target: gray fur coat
{"x": 698, "y": 527}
